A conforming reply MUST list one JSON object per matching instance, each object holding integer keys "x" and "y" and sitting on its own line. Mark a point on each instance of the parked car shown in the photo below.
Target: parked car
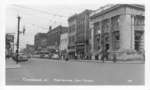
{"x": 55, "y": 56}
{"x": 22, "y": 57}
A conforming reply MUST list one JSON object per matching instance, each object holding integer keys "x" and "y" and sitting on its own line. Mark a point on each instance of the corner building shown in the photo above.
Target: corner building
{"x": 117, "y": 29}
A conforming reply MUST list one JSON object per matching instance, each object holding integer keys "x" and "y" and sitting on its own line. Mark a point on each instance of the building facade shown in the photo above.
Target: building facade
{"x": 72, "y": 21}
{"x": 79, "y": 34}
{"x": 9, "y": 44}
{"x": 117, "y": 29}
{"x": 40, "y": 41}
{"x": 63, "y": 47}
{"x": 50, "y": 40}
{"x": 53, "y": 36}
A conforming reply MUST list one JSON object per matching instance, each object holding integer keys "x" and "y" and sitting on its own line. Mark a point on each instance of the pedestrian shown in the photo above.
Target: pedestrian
{"x": 114, "y": 58}
{"x": 105, "y": 55}
{"x": 66, "y": 58}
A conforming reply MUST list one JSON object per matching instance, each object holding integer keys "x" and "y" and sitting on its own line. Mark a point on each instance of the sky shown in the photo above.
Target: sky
{"x": 37, "y": 18}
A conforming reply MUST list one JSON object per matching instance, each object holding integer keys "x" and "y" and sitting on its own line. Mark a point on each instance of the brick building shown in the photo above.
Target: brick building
{"x": 53, "y": 36}
{"x": 40, "y": 41}
{"x": 49, "y": 40}
{"x": 117, "y": 29}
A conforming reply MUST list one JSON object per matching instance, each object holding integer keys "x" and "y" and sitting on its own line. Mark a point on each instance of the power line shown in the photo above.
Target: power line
{"x": 41, "y": 11}
{"x": 29, "y": 14}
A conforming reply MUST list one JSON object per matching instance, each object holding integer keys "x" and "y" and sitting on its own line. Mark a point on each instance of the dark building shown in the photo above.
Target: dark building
{"x": 53, "y": 36}
{"x": 79, "y": 34}
{"x": 40, "y": 41}
{"x": 51, "y": 39}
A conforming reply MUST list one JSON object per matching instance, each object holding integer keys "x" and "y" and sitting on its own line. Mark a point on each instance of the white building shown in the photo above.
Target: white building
{"x": 118, "y": 28}
{"x": 64, "y": 40}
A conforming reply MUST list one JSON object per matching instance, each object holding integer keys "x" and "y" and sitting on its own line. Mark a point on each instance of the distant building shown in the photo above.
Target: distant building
{"x": 9, "y": 44}
{"x": 117, "y": 28}
{"x": 49, "y": 40}
{"x": 29, "y": 49}
{"x": 40, "y": 41}
{"x": 53, "y": 36}
{"x": 79, "y": 34}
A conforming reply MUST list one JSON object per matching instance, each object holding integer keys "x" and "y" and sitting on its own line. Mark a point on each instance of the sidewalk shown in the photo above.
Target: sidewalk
{"x": 10, "y": 64}
{"x": 119, "y": 61}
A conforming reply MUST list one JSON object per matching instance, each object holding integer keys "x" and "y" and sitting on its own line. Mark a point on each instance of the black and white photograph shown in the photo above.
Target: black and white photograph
{"x": 90, "y": 44}
{"x": 75, "y": 44}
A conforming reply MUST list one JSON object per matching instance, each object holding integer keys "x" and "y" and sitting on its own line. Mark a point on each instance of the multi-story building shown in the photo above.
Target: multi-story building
{"x": 117, "y": 28}
{"x": 40, "y": 41}
{"x": 49, "y": 40}
{"x": 83, "y": 34}
{"x": 53, "y": 36}
{"x": 79, "y": 34}
{"x": 72, "y": 21}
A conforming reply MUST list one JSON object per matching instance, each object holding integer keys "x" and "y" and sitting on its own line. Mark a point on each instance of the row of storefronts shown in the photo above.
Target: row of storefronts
{"x": 113, "y": 29}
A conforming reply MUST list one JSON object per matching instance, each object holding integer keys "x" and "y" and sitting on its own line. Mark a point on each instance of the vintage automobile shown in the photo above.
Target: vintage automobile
{"x": 21, "y": 58}
{"x": 55, "y": 56}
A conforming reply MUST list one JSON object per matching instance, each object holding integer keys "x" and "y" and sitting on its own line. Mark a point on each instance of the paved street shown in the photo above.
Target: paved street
{"x": 54, "y": 72}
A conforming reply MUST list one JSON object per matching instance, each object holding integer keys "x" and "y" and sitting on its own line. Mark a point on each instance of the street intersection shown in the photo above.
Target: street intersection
{"x": 58, "y": 72}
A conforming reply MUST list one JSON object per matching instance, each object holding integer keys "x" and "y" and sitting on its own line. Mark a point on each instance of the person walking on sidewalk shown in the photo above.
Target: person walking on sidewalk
{"x": 104, "y": 55}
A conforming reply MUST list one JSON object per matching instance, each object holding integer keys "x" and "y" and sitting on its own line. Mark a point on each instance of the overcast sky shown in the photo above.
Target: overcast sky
{"x": 38, "y": 17}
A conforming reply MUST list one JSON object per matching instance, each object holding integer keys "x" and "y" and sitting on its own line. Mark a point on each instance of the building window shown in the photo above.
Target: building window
{"x": 116, "y": 35}
{"x": 138, "y": 36}
{"x": 105, "y": 25}
{"x": 139, "y": 20}
{"x": 115, "y": 22}
{"x": 116, "y": 38}
{"x": 106, "y": 37}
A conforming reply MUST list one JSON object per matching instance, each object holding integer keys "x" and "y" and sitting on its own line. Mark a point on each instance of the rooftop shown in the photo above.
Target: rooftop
{"x": 110, "y": 7}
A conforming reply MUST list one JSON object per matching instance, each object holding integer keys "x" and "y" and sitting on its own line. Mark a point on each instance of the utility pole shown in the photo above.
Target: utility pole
{"x": 18, "y": 32}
